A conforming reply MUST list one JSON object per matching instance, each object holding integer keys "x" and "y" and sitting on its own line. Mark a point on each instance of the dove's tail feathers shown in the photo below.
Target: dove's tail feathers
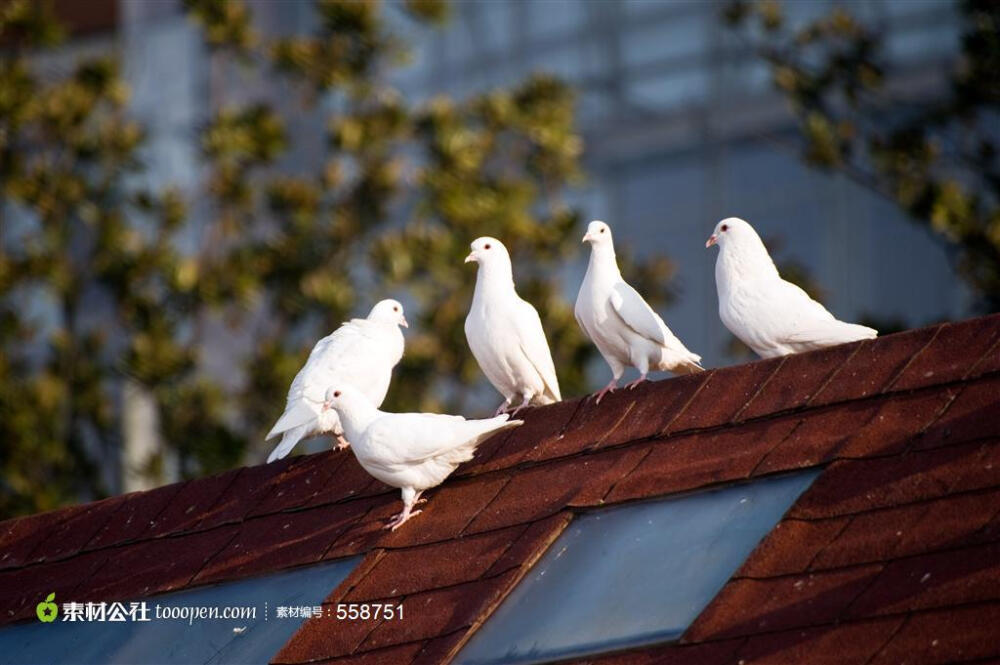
{"x": 296, "y": 414}
{"x": 680, "y": 362}
{"x": 829, "y": 333}
{"x": 288, "y": 441}
{"x": 544, "y": 398}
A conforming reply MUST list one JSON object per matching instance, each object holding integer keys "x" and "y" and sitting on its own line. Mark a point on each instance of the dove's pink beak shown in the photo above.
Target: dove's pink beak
{"x": 471, "y": 257}
{"x": 326, "y": 405}
{"x": 587, "y": 237}
{"x": 404, "y": 323}
{"x": 712, "y": 239}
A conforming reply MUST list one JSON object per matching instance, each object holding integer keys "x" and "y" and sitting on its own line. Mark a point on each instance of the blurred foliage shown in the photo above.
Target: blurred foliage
{"x": 937, "y": 159}
{"x": 103, "y": 280}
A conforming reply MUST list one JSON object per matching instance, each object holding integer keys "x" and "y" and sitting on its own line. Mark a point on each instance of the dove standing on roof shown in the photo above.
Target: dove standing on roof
{"x": 361, "y": 353}
{"x": 505, "y": 333}
{"x": 622, "y": 326}
{"x": 411, "y": 451}
{"x": 771, "y": 316}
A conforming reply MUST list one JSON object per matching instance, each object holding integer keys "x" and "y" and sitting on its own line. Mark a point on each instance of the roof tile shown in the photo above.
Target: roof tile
{"x": 406, "y": 571}
{"x": 251, "y": 484}
{"x": 880, "y": 535}
{"x": 688, "y": 462}
{"x": 394, "y": 655}
{"x": 942, "y": 362}
{"x": 23, "y": 588}
{"x": 548, "y": 488}
{"x": 450, "y": 508}
{"x": 532, "y": 543}
{"x": 348, "y": 481}
{"x": 441, "y": 611}
{"x": 630, "y": 414}
{"x": 853, "y": 486}
{"x": 724, "y": 394}
{"x": 848, "y": 644}
{"x": 440, "y": 649}
{"x": 818, "y": 437}
{"x": 898, "y": 420}
{"x": 73, "y": 534}
{"x": 20, "y": 536}
{"x": 539, "y": 437}
{"x": 154, "y": 566}
{"x": 791, "y": 547}
{"x": 282, "y": 540}
{"x": 955, "y": 577}
{"x": 945, "y": 636}
{"x": 746, "y": 606}
{"x": 711, "y": 653}
{"x": 302, "y": 482}
{"x": 135, "y": 516}
{"x": 798, "y": 379}
{"x": 974, "y": 414}
{"x": 324, "y": 638}
{"x": 189, "y": 506}
{"x": 874, "y": 366}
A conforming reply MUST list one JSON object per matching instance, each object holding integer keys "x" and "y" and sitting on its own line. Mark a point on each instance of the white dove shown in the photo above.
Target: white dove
{"x": 411, "y": 451}
{"x": 621, "y": 324}
{"x": 505, "y": 333}
{"x": 362, "y": 353}
{"x": 771, "y": 316}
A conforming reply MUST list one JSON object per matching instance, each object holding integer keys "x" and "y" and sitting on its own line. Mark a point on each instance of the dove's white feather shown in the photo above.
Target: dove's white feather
{"x": 505, "y": 332}
{"x": 770, "y": 315}
{"x": 622, "y": 325}
{"x": 411, "y": 451}
{"x": 361, "y": 352}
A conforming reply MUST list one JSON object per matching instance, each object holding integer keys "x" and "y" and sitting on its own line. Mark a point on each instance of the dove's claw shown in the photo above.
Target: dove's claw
{"x": 342, "y": 443}
{"x": 607, "y": 389}
{"x": 631, "y": 386}
{"x": 502, "y": 408}
{"x": 400, "y": 519}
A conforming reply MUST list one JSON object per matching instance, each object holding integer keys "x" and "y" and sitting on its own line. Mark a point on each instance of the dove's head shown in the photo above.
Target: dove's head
{"x": 355, "y": 410}
{"x": 487, "y": 251}
{"x": 388, "y": 311}
{"x": 732, "y": 230}
{"x": 598, "y": 234}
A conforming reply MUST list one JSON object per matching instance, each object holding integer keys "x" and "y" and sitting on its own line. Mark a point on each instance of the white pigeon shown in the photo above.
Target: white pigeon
{"x": 622, "y": 326}
{"x": 362, "y": 353}
{"x": 771, "y": 316}
{"x": 505, "y": 332}
{"x": 411, "y": 451}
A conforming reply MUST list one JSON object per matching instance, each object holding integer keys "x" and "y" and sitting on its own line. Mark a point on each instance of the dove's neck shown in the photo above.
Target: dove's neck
{"x": 493, "y": 279}
{"x": 603, "y": 264}
{"x": 356, "y": 418}
{"x": 744, "y": 262}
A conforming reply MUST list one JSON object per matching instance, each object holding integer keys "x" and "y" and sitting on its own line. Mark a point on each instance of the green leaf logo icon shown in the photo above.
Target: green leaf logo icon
{"x": 47, "y": 610}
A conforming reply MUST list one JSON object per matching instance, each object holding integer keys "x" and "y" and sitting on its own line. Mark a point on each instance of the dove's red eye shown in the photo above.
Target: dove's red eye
{"x": 336, "y": 393}
{"x": 395, "y": 309}
{"x": 725, "y": 227}
{"x": 602, "y": 230}
{"x": 486, "y": 246}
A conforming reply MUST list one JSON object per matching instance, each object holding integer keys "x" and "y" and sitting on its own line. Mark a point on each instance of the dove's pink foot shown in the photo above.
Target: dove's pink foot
{"x": 501, "y": 409}
{"x": 400, "y": 519}
{"x": 607, "y": 389}
{"x": 342, "y": 443}
{"x": 526, "y": 402}
{"x": 642, "y": 377}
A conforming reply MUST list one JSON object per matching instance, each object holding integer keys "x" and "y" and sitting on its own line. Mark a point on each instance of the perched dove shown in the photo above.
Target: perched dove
{"x": 771, "y": 316}
{"x": 362, "y": 353}
{"x": 411, "y": 451}
{"x": 505, "y": 333}
{"x": 621, "y": 324}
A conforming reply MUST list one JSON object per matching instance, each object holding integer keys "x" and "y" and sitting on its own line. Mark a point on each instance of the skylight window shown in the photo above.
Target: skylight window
{"x": 181, "y": 640}
{"x": 633, "y": 575}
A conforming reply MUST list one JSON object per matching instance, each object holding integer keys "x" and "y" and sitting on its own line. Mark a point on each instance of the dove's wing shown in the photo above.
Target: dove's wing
{"x": 412, "y": 438}
{"x": 637, "y": 315}
{"x": 531, "y": 336}
{"x": 352, "y": 354}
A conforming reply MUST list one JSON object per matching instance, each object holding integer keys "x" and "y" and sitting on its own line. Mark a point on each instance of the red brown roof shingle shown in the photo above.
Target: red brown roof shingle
{"x": 893, "y": 554}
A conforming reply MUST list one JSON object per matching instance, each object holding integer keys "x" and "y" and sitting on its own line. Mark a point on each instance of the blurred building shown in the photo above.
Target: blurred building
{"x": 681, "y": 122}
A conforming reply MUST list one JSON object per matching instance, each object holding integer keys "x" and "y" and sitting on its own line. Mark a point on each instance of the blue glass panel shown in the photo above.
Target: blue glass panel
{"x": 215, "y": 641}
{"x": 633, "y": 575}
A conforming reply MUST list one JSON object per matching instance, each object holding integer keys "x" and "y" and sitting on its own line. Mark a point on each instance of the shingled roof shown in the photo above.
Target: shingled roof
{"x": 892, "y": 554}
